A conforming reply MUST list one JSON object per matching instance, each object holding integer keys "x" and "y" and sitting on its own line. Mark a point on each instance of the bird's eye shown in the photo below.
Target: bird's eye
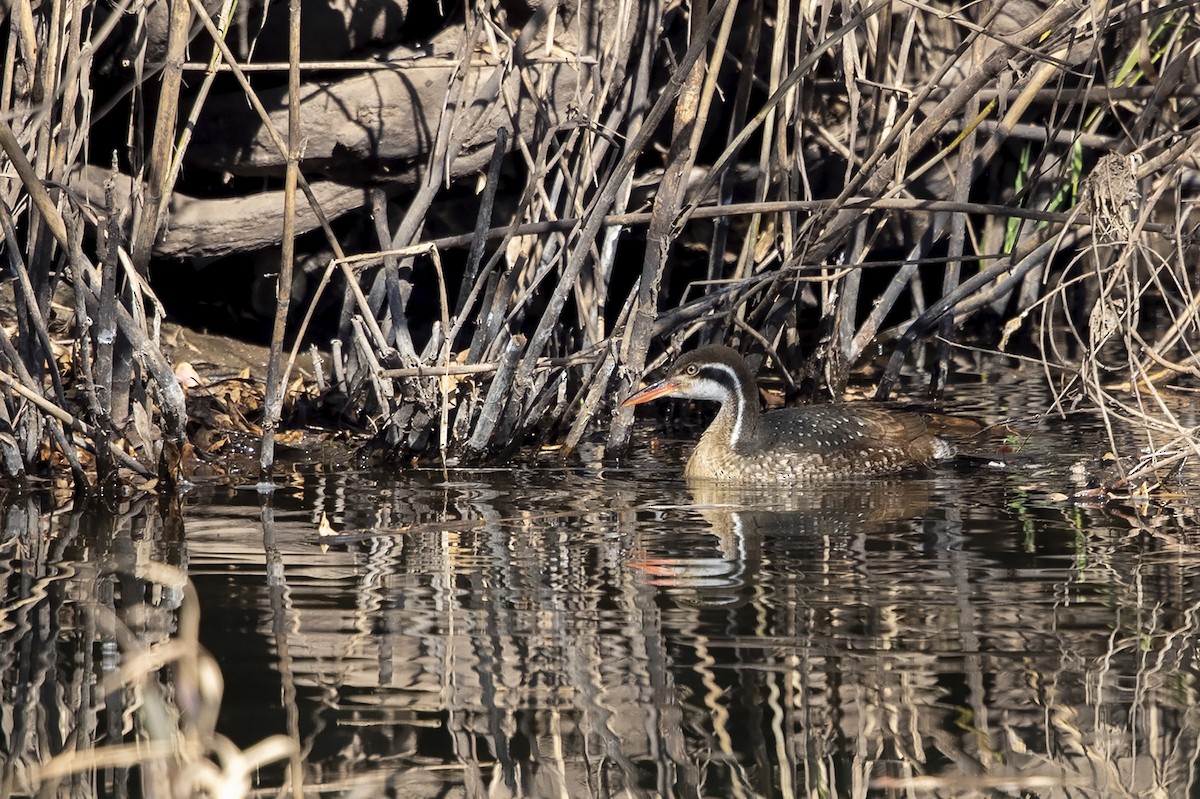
{"x": 691, "y": 370}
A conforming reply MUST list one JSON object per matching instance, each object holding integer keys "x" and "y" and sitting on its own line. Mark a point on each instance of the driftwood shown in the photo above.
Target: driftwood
{"x": 335, "y": 29}
{"x": 380, "y": 126}
{"x": 211, "y": 227}
{"x": 374, "y": 128}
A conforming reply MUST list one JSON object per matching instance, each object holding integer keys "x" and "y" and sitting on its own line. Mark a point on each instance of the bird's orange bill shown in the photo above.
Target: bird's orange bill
{"x": 663, "y": 388}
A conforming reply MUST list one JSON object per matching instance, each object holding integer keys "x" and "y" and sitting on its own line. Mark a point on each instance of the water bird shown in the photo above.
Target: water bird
{"x": 790, "y": 445}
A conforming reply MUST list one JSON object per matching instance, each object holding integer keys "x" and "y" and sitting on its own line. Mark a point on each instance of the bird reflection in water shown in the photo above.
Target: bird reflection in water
{"x": 719, "y": 566}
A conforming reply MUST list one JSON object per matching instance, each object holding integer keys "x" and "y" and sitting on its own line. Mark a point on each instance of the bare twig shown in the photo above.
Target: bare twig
{"x": 149, "y": 216}
{"x": 275, "y": 383}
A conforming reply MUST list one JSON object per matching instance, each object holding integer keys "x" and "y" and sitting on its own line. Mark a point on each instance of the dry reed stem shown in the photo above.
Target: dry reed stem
{"x": 958, "y": 230}
{"x": 148, "y": 214}
{"x": 33, "y": 184}
{"x": 276, "y": 384}
{"x": 398, "y": 288}
{"x": 34, "y": 396}
{"x": 281, "y": 147}
{"x": 53, "y": 147}
{"x": 877, "y": 174}
{"x": 211, "y": 69}
{"x": 41, "y": 352}
{"x": 493, "y": 404}
{"x": 728, "y": 211}
{"x": 1023, "y": 260}
{"x": 593, "y": 221}
{"x": 691, "y": 111}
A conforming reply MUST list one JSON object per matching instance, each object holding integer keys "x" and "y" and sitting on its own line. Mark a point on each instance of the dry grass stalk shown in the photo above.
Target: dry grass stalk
{"x": 844, "y": 136}
{"x": 277, "y": 382}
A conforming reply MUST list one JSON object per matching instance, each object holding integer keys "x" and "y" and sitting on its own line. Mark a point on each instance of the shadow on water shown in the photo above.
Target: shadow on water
{"x": 563, "y": 633}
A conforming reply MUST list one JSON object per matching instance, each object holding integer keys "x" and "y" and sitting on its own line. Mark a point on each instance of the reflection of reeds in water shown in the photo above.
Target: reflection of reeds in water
{"x": 889, "y": 633}
{"x": 107, "y": 690}
{"x": 845, "y": 644}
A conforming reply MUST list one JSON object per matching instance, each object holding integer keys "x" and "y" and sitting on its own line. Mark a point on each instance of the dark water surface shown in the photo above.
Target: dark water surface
{"x": 565, "y": 632}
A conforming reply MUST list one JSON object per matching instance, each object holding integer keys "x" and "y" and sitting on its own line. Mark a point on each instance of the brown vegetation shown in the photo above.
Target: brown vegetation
{"x": 802, "y": 179}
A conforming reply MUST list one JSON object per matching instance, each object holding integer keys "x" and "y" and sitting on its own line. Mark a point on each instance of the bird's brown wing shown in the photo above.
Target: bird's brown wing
{"x": 849, "y": 429}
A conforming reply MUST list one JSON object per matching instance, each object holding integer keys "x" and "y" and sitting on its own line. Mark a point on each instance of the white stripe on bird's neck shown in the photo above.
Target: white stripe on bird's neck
{"x": 721, "y": 394}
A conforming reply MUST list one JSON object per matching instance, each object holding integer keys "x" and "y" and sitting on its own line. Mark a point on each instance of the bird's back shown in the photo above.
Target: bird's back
{"x": 821, "y": 441}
